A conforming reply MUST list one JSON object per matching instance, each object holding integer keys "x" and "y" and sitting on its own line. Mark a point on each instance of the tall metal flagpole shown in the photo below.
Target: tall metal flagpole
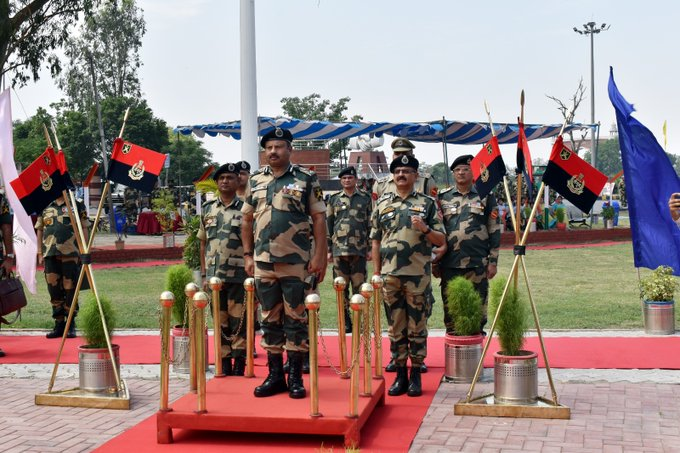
{"x": 249, "y": 123}
{"x": 446, "y": 153}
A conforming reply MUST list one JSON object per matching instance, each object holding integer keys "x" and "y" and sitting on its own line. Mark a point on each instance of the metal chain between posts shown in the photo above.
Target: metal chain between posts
{"x": 233, "y": 336}
{"x": 355, "y": 360}
{"x": 159, "y": 310}
{"x": 368, "y": 351}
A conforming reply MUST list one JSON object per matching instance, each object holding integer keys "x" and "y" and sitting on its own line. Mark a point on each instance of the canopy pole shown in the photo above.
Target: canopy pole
{"x": 446, "y": 153}
{"x": 249, "y": 122}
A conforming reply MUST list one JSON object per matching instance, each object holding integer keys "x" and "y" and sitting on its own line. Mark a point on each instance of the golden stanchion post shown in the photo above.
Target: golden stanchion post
{"x": 167, "y": 300}
{"x": 340, "y": 284}
{"x": 312, "y": 303}
{"x": 367, "y": 291}
{"x": 200, "y": 300}
{"x": 249, "y": 285}
{"x": 357, "y": 304}
{"x": 189, "y": 290}
{"x": 377, "y": 283}
{"x": 216, "y": 285}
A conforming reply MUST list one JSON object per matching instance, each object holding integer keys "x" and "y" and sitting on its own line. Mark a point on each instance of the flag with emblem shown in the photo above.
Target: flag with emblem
{"x": 63, "y": 169}
{"x": 488, "y": 167}
{"x": 523, "y": 155}
{"x": 135, "y": 166}
{"x": 40, "y": 184}
{"x": 572, "y": 177}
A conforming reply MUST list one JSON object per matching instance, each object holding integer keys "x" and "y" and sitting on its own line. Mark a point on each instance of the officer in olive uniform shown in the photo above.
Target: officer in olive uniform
{"x": 473, "y": 235}
{"x": 348, "y": 215}
{"x": 281, "y": 214}
{"x": 7, "y": 261}
{"x": 424, "y": 184}
{"x": 405, "y": 226}
{"x": 59, "y": 253}
{"x": 243, "y": 178}
{"x": 222, "y": 257}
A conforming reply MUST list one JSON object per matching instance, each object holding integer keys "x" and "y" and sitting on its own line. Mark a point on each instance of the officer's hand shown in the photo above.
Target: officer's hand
{"x": 7, "y": 265}
{"x": 439, "y": 253}
{"x": 369, "y": 255}
{"x": 418, "y": 223}
{"x": 330, "y": 256}
{"x": 41, "y": 259}
{"x": 250, "y": 266}
{"x": 317, "y": 266}
{"x": 674, "y": 206}
{"x": 491, "y": 271}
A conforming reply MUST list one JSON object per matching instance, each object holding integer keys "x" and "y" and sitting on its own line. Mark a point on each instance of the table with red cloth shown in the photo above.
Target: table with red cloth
{"x": 147, "y": 223}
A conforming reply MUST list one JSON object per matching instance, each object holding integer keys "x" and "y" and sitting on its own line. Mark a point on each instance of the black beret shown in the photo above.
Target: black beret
{"x": 243, "y": 165}
{"x": 462, "y": 160}
{"x": 277, "y": 134}
{"x": 226, "y": 168}
{"x": 402, "y": 145}
{"x": 349, "y": 171}
{"x": 404, "y": 161}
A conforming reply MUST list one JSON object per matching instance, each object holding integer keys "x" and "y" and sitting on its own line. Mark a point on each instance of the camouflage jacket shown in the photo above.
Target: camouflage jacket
{"x": 473, "y": 231}
{"x": 58, "y": 235}
{"x": 220, "y": 228}
{"x": 424, "y": 184}
{"x": 282, "y": 208}
{"x": 403, "y": 249}
{"x": 349, "y": 222}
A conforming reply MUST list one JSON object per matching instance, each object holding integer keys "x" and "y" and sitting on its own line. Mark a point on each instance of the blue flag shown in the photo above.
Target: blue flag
{"x": 650, "y": 181}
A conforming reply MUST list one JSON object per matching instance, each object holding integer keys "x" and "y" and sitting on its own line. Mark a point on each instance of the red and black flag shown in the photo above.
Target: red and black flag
{"x": 63, "y": 169}
{"x": 206, "y": 174}
{"x": 523, "y": 155}
{"x": 572, "y": 177}
{"x": 90, "y": 174}
{"x": 40, "y": 184}
{"x": 134, "y": 166}
{"x": 488, "y": 167}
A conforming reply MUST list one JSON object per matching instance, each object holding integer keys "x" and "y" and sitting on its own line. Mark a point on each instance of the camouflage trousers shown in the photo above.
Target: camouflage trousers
{"x": 233, "y": 320}
{"x": 353, "y": 270}
{"x": 478, "y": 278}
{"x": 406, "y": 305}
{"x": 429, "y": 296}
{"x": 281, "y": 290}
{"x": 61, "y": 275}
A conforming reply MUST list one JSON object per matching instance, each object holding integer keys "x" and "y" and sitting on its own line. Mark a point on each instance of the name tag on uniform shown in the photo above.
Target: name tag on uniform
{"x": 449, "y": 208}
{"x": 477, "y": 208}
{"x": 293, "y": 189}
{"x": 417, "y": 210}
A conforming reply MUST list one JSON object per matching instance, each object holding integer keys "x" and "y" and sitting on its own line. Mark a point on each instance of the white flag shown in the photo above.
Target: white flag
{"x": 25, "y": 242}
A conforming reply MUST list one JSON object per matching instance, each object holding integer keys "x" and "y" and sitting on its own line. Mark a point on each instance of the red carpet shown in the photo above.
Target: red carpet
{"x": 581, "y": 352}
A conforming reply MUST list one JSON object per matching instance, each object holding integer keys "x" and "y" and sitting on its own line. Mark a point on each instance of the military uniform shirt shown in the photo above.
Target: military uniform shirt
{"x": 473, "y": 231}
{"x": 404, "y": 250}
{"x": 58, "y": 235}
{"x": 220, "y": 228}
{"x": 424, "y": 184}
{"x": 349, "y": 222}
{"x": 282, "y": 208}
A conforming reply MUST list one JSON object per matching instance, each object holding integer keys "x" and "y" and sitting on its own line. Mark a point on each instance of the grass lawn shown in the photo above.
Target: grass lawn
{"x": 581, "y": 288}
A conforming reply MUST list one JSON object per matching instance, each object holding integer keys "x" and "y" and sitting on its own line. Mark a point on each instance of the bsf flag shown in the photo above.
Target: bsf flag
{"x": 134, "y": 166}
{"x": 40, "y": 184}
{"x": 488, "y": 168}
{"x": 573, "y": 177}
{"x": 63, "y": 169}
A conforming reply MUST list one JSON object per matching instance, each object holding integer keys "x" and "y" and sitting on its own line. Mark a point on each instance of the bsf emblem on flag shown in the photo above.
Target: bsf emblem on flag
{"x": 126, "y": 148}
{"x": 489, "y": 148}
{"x": 565, "y": 154}
{"x": 576, "y": 184}
{"x": 45, "y": 180}
{"x": 483, "y": 172}
{"x": 47, "y": 160}
{"x": 137, "y": 171}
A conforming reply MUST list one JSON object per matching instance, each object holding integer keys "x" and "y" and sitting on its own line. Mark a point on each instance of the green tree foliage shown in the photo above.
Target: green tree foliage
{"x": 608, "y": 157}
{"x": 29, "y": 138}
{"x": 464, "y": 306}
{"x": 513, "y": 320}
{"x": 176, "y": 279}
{"x": 31, "y": 30}
{"x": 439, "y": 171}
{"x": 90, "y": 321}
{"x": 188, "y": 159}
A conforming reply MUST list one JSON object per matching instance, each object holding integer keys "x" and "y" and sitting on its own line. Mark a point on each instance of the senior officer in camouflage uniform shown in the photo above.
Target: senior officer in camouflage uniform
{"x": 282, "y": 212}
{"x": 348, "y": 215}
{"x": 8, "y": 259}
{"x": 405, "y": 226}
{"x": 222, "y": 257}
{"x": 473, "y": 235}
{"x": 59, "y": 253}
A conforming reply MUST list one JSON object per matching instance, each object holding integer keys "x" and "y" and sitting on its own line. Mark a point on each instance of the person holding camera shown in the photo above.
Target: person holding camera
{"x": 674, "y": 208}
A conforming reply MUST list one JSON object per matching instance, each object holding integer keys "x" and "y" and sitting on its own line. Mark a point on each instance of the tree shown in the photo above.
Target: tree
{"x": 438, "y": 172}
{"x": 29, "y": 138}
{"x": 568, "y": 113}
{"x": 31, "y": 30}
{"x": 188, "y": 159}
{"x": 608, "y": 157}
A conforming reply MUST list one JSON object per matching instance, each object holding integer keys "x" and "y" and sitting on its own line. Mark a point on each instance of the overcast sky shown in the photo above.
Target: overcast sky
{"x": 406, "y": 61}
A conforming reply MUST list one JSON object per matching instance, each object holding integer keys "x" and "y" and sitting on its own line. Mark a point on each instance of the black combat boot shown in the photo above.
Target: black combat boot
{"x": 348, "y": 322}
{"x": 423, "y": 368}
{"x": 296, "y": 388}
{"x": 226, "y": 366}
{"x": 286, "y": 366}
{"x": 391, "y": 367}
{"x": 71, "y": 329}
{"x": 58, "y": 330}
{"x": 305, "y": 362}
{"x": 400, "y": 385}
{"x": 276, "y": 380}
{"x": 239, "y": 366}
{"x": 415, "y": 387}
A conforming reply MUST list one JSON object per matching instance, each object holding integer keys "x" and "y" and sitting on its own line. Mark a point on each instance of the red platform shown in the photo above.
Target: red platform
{"x": 232, "y": 407}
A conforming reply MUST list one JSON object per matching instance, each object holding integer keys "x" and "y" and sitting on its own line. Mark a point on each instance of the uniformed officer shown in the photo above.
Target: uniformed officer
{"x": 222, "y": 257}
{"x": 130, "y": 207}
{"x": 243, "y": 178}
{"x": 281, "y": 214}
{"x": 8, "y": 259}
{"x": 473, "y": 235}
{"x": 405, "y": 226}
{"x": 59, "y": 253}
{"x": 424, "y": 184}
{"x": 348, "y": 216}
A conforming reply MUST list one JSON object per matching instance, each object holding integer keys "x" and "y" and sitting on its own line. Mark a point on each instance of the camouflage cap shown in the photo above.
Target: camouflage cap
{"x": 226, "y": 168}
{"x": 402, "y": 145}
{"x": 404, "y": 161}
{"x": 277, "y": 134}
{"x": 462, "y": 160}
{"x": 243, "y": 165}
{"x": 349, "y": 171}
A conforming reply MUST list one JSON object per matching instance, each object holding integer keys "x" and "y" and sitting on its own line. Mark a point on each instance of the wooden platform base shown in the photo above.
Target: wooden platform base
{"x": 231, "y": 406}
{"x": 486, "y": 407}
{"x": 81, "y": 398}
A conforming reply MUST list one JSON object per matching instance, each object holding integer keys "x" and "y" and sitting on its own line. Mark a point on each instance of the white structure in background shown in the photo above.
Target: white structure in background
{"x": 368, "y": 154}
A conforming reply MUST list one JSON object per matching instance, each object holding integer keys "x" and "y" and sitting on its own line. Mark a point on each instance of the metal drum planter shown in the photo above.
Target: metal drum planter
{"x": 461, "y": 357}
{"x": 95, "y": 369}
{"x": 516, "y": 378}
{"x": 659, "y": 317}
{"x": 180, "y": 350}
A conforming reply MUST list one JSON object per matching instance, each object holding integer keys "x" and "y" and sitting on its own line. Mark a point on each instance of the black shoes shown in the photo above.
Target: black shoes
{"x": 423, "y": 368}
{"x": 58, "y": 330}
{"x": 275, "y": 382}
{"x": 296, "y": 388}
{"x": 415, "y": 386}
{"x": 400, "y": 385}
{"x": 391, "y": 367}
{"x": 226, "y": 366}
{"x": 239, "y": 366}
{"x": 71, "y": 329}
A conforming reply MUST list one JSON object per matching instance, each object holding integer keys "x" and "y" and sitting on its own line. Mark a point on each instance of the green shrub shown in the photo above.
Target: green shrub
{"x": 176, "y": 279}
{"x": 208, "y": 185}
{"x": 608, "y": 212}
{"x": 464, "y": 306}
{"x": 561, "y": 215}
{"x": 192, "y": 245}
{"x": 513, "y": 320}
{"x": 660, "y": 285}
{"x": 90, "y": 322}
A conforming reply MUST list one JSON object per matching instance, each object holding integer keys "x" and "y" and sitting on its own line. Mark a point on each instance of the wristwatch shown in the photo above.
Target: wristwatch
{"x": 9, "y": 255}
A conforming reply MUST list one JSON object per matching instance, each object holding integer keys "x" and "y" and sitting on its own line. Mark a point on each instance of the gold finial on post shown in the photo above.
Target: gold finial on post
{"x": 216, "y": 286}
{"x": 366, "y": 291}
{"x": 378, "y": 283}
{"x": 200, "y": 301}
{"x": 167, "y": 299}
{"x": 249, "y": 286}
{"x": 339, "y": 284}
{"x": 313, "y": 302}
{"x": 357, "y": 303}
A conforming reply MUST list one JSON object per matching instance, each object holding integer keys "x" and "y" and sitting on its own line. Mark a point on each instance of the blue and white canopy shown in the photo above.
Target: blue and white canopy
{"x": 455, "y": 132}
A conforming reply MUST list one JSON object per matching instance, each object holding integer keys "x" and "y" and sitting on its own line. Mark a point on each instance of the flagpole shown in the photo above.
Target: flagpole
{"x": 519, "y": 183}
{"x": 445, "y": 151}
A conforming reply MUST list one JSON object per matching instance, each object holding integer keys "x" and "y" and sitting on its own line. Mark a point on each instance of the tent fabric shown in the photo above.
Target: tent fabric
{"x": 455, "y": 132}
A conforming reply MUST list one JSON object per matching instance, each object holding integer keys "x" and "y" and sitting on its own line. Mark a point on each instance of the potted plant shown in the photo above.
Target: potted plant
{"x": 94, "y": 360}
{"x": 463, "y": 343}
{"x": 192, "y": 247}
{"x": 658, "y": 306}
{"x": 163, "y": 205}
{"x": 608, "y": 216}
{"x": 515, "y": 370}
{"x": 176, "y": 279}
{"x": 561, "y": 217}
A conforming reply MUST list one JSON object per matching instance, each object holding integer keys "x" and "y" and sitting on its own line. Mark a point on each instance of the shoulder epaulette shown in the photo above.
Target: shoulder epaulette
{"x": 207, "y": 202}
{"x": 443, "y": 191}
{"x": 261, "y": 170}
{"x": 385, "y": 196}
{"x": 383, "y": 180}
{"x": 302, "y": 170}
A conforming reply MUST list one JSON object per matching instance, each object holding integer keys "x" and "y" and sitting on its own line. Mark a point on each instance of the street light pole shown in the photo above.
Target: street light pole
{"x": 591, "y": 28}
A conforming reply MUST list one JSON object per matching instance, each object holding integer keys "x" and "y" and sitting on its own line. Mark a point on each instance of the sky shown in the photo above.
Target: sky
{"x": 406, "y": 61}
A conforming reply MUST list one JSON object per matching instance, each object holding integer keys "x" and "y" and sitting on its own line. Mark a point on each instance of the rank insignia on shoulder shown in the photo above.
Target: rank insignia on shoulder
{"x": 318, "y": 193}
